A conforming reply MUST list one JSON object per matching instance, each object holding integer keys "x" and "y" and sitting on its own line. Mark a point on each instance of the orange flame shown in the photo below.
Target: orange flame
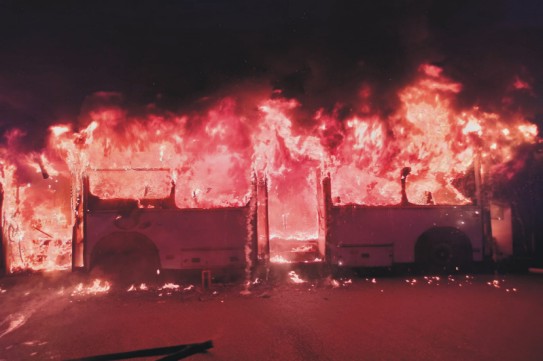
{"x": 210, "y": 156}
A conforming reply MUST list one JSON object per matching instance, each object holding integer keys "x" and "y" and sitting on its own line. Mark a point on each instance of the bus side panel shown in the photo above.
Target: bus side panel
{"x": 185, "y": 238}
{"x": 397, "y": 227}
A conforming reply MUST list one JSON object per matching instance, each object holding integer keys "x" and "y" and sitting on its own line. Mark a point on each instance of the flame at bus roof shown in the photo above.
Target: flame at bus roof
{"x": 213, "y": 152}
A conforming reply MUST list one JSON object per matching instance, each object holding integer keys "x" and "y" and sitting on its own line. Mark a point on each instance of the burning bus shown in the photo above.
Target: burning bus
{"x": 89, "y": 196}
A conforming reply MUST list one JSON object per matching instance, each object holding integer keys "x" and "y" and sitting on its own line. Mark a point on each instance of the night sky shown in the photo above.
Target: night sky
{"x": 55, "y": 54}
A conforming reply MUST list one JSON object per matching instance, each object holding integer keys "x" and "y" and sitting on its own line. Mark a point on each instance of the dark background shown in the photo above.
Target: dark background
{"x": 53, "y": 55}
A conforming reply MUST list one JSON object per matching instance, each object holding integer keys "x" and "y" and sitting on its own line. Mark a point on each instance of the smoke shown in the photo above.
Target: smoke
{"x": 319, "y": 52}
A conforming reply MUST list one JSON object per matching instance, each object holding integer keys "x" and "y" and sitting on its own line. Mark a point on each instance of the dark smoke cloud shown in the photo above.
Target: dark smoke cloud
{"x": 54, "y": 55}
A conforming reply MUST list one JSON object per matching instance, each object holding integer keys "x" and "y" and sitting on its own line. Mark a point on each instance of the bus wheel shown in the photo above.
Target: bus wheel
{"x": 125, "y": 259}
{"x": 443, "y": 250}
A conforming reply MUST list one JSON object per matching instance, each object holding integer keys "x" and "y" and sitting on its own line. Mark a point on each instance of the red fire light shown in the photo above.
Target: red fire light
{"x": 212, "y": 155}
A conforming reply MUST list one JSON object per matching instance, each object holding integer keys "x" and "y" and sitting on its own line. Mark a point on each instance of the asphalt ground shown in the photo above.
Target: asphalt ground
{"x": 357, "y": 317}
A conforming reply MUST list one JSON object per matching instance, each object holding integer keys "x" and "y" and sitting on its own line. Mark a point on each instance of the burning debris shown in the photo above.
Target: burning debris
{"x": 168, "y": 289}
{"x": 97, "y": 287}
{"x": 141, "y": 287}
{"x": 170, "y": 286}
{"x": 294, "y": 278}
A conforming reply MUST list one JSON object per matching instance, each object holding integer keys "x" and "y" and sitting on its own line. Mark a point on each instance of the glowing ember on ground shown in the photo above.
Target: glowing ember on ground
{"x": 500, "y": 284}
{"x": 494, "y": 283}
{"x": 341, "y": 282}
{"x": 432, "y": 279}
{"x": 460, "y": 281}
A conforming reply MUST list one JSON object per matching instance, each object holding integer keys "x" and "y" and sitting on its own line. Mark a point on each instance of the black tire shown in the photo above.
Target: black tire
{"x": 444, "y": 250}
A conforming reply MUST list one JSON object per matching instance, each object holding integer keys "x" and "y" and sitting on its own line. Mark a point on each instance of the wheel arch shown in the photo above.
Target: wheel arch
{"x": 458, "y": 243}
{"x": 119, "y": 243}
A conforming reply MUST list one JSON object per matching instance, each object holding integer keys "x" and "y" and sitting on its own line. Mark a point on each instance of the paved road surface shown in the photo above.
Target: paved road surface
{"x": 479, "y": 317}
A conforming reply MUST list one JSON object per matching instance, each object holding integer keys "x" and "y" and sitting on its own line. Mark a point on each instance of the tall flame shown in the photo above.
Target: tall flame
{"x": 211, "y": 154}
